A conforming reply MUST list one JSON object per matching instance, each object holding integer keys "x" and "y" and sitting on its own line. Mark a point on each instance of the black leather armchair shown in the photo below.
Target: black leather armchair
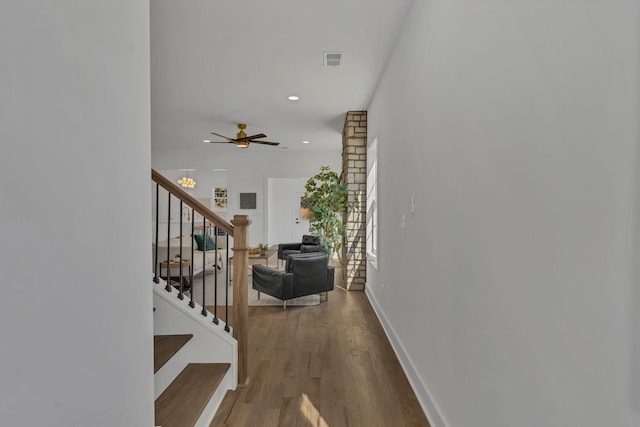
{"x": 304, "y": 274}
{"x": 308, "y": 244}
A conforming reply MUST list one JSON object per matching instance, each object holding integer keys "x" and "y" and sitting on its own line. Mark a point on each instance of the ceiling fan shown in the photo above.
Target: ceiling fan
{"x": 242, "y": 140}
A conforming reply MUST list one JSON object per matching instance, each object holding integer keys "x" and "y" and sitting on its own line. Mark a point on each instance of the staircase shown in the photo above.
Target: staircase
{"x": 185, "y": 400}
{"x": 192, "y": 371}
{"x": 198, "y": 356}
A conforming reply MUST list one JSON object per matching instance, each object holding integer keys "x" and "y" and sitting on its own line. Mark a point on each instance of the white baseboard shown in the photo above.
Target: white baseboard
{"x": 417, "y": 384}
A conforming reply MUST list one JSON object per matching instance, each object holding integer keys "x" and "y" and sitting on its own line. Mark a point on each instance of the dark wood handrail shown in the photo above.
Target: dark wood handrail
{"x": 192, "y": 202}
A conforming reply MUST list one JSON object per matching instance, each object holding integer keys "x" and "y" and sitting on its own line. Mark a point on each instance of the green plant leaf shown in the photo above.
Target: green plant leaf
{"x": 328, "y": 200}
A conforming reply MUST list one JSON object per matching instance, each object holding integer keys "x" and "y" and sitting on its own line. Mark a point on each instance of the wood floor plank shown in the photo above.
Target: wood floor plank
{"x": 181, "y": 404}
{"x": 165, "y": 346}
{"x": 325, "y": 365}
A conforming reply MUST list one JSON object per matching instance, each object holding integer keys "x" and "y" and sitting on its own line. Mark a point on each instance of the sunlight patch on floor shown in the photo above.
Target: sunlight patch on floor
{"x": 311, "y": 413}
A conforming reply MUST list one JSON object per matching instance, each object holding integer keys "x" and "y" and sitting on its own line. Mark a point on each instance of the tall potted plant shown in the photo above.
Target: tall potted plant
{"x": 327, "y": 200}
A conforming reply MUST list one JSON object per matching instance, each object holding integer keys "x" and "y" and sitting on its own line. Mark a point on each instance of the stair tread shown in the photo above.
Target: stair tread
{"x": 181, "y": 404}
{"x": 165, "y": 346}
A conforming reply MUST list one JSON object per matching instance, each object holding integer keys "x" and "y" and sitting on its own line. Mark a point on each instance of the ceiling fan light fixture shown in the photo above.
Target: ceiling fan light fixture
{"x": 242, "y": 144}
{"x": 206, "y": 140}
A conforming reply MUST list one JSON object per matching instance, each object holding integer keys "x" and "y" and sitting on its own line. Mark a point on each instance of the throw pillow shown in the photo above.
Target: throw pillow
{"x": 204, "y": 242}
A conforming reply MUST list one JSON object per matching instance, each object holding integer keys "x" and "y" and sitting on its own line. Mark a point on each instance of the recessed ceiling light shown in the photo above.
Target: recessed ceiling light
{"x": 293, "y": 97}
{"x": 305, "y": 142}
{"x": 206, "y": 140}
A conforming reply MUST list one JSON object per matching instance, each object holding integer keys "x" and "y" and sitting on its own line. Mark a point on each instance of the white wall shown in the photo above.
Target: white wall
{"x": 248, "y": 171}
{"x": 76, "y": 311}
{"x": 511, "y": 291}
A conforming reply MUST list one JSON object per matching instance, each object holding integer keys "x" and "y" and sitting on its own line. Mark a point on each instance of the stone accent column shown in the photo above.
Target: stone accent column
{"x": 354, "y": 176}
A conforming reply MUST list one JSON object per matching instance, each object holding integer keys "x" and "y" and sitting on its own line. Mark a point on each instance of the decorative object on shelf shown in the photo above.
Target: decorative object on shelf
{"x": 186, "y": 181}
{"x": 261, "y": 249}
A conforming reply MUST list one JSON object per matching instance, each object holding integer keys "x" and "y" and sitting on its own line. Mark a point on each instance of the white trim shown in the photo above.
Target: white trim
{"x": 417, "y": 383}
{"x": 373, "y": 259}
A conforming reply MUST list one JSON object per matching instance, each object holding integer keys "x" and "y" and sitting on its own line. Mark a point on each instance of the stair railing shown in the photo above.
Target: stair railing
{"x": 238, "y": 229}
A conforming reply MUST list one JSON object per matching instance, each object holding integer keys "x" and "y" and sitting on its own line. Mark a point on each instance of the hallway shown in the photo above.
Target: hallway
{"x": 326, "y": 365}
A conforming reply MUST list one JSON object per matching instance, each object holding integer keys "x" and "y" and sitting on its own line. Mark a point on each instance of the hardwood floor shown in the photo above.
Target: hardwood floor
{"x": 327, "y": 365}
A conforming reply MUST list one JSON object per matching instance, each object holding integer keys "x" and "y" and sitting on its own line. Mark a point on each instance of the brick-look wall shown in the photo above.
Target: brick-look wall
{"x": 354, "y": 176}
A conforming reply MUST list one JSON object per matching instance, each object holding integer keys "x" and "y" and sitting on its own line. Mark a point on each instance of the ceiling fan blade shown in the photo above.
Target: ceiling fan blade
{"x": 249, "y": 138}
{"x": 256, "y": 136}
{"x": 223, "y": 137}
{"x": 244, "y": 141}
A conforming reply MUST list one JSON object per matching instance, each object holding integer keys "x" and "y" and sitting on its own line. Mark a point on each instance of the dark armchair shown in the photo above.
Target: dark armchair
{"x": 308, "y": 244}
{"x": 304, "y": 274}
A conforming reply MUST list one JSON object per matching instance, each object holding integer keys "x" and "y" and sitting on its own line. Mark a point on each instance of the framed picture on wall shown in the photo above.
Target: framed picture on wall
{"x": 248, "y": 201}
{"x": 220, "y": 198}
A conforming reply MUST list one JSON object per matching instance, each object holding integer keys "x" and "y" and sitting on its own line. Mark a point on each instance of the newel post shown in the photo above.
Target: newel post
{"x": 241, "y": 292}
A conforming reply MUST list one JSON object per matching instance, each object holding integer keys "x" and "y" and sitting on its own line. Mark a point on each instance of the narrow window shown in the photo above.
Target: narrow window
{"x": 372, "y": 203}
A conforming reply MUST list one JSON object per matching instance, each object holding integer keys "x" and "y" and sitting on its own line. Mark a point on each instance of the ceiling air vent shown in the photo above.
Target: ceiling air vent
{"x": 332, "y": 59}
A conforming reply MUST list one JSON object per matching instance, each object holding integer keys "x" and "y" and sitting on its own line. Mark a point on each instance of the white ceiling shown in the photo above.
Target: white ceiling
{"x": 218, "y": 63}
